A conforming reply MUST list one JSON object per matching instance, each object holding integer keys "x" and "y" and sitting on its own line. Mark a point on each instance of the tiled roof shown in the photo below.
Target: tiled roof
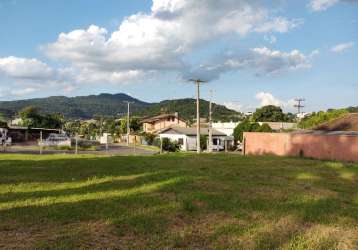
{"x": 192, "y": 131}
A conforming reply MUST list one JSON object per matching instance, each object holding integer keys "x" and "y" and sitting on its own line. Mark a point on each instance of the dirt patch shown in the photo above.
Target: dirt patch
{"x": 84, "y": 235}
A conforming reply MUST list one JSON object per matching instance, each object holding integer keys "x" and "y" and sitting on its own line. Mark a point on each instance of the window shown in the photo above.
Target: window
{"x": 181, "y": 141}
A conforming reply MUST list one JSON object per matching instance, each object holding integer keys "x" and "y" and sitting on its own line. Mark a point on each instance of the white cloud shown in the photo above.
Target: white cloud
{"x": 262, "y": 61}
{"x": 320, "y": 5}
{"x": 234, "y": 106}
{"x": 26, "y": 69}
{"x": 342, "y": 47}
{"x": 146, "y": 44}
{"x": 270, "y": 39}
{"x": 266, "y": 99}
{"x": 158, "y": 41}
{"x": 22, "y": 92}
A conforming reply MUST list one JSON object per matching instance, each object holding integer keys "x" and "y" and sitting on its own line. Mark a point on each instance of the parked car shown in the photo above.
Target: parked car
{"x": 57, "y": 140}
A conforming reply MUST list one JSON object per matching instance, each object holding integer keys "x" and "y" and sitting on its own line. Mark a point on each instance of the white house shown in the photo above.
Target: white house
{"x": 225, "y": 127}
{"x": 186, "y": 137}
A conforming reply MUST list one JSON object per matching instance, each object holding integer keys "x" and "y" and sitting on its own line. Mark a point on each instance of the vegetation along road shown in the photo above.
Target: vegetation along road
{"x": 177, "y": 201}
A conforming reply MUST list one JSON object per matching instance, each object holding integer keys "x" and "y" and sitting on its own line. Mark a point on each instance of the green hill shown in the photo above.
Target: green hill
{"x": 85, "y": 107}
{"x": 187, "y": 110}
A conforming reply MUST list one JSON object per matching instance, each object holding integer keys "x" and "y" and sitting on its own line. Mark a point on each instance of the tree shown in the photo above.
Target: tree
{"x": 3, "y": 122}
{"x": 269, "y": 113}
{"x": 264, "y": 128}
{"x": 30, "y": 117}
{"x": 245, "y": 126}
{"x": 134, "y": 125}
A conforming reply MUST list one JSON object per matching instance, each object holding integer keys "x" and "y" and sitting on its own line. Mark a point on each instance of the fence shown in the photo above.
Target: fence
{"x": 334, "y": 146}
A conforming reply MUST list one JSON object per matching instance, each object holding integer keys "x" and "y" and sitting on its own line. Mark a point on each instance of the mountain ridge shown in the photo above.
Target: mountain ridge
{"x": 105, "y": 104}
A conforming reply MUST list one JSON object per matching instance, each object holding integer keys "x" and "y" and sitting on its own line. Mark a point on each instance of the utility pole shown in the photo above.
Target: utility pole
{"x": 197, "y": 82}
{"x": 128, "y": 121}
{"x": 210, "y": 149}
{"x": 299, "y": 104}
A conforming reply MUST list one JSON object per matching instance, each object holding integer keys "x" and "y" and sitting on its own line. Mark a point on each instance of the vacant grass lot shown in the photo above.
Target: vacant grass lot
{"x": 177, "y": 201}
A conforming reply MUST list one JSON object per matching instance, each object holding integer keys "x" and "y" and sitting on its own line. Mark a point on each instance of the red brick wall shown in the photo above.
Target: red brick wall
{"x": 325, "y": 147}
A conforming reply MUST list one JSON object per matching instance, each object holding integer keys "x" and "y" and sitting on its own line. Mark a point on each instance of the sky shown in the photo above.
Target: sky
{"x": 251, "y": 52}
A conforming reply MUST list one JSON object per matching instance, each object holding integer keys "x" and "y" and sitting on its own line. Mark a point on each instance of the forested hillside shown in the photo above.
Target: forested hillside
{"x": 86, "y": 107}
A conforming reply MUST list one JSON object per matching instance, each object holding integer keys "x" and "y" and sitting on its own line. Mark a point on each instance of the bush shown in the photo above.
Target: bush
{"x": 265, "y": 128}
{"x": 203, "y": 142}
{"x": 170, "y": 146}
{"x": 247, "y": 126}
{"x": 149, "y": 138}
{"x": 316, "y": 119}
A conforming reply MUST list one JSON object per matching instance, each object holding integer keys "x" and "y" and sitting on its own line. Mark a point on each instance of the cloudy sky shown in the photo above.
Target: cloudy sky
{"x": 252, "y": 52}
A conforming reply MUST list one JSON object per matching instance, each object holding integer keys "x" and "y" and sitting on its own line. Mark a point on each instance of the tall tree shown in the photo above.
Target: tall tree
{"x": 269, "y": 113}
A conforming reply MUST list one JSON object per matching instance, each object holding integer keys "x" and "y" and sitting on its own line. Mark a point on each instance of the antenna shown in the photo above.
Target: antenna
{"x": 299, "y": 104}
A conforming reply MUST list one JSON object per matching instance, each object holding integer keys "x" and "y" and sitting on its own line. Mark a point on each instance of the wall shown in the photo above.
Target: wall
{"x": 325, "y": 147}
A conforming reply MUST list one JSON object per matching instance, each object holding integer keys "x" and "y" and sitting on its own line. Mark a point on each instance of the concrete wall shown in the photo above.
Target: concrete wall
{"x": 324, "y": 147}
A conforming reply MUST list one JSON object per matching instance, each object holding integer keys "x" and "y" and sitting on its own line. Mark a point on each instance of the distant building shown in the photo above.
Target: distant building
{"x": 186, "y": 137}
{"x": 226, "y": 127}
{"x": 277, "y": 126}
{"x": 155, "y": 124}
{"x": 302, "y": 115}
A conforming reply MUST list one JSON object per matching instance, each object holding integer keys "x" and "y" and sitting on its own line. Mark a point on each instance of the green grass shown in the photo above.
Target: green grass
{"x": 177, "y": 201}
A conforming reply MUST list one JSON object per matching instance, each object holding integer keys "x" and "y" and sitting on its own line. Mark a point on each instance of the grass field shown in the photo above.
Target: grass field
{"x": 177, "y": 201}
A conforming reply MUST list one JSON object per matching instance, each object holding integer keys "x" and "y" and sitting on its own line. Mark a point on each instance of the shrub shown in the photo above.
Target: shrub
{"x": 316, "y": 119}
{"x": 149, "y": 138}
{"x": 170, "y": 146}
{"x": 203, "y": 142}
{"x": 265, "y": 128}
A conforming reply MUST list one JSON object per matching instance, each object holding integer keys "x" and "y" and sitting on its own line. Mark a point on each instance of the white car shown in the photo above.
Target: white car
{"x": 57, "y": 140}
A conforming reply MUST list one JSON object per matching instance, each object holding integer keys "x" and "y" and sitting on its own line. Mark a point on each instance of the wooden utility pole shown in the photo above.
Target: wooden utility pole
{"x": 210, "y": 148}
{"x": 197, "y": 82}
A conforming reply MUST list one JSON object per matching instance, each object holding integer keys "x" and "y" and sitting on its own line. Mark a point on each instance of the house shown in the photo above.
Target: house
{"x": 186, "y": 137}
{"x": 226, "y": 127}
{"x": 155, "y": 124}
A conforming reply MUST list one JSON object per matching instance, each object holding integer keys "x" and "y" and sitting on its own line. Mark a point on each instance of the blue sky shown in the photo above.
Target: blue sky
{"x": 252, "y": 52}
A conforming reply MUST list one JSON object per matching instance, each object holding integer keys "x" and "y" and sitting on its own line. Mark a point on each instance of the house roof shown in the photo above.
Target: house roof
{"x": 191, "y": 131}
{"x": 348, "y": 122}
{"x": 160, "y": 117}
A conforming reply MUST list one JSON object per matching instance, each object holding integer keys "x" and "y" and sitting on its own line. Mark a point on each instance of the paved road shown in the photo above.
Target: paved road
{"x": 112, "y": 150}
